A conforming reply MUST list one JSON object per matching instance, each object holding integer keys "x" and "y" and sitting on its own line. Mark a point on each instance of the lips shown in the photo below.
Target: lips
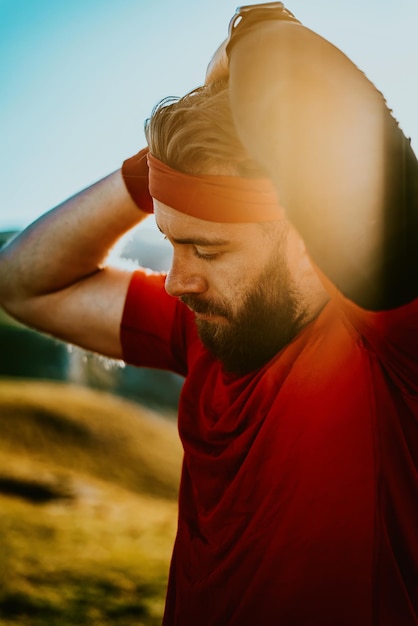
{"x": 202, "y": 309}
{"x": 208, "y": 317}
{"x": 207, "y": 314}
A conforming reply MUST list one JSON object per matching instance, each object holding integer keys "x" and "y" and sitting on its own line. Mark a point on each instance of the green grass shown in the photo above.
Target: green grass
{"x": 97, "y": 550}
{"x": 6, "y": 320}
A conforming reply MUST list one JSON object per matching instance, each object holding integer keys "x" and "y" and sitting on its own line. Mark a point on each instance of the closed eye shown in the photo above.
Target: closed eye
{"x": 195, "y": 242}
{"x": 206, "y": 256}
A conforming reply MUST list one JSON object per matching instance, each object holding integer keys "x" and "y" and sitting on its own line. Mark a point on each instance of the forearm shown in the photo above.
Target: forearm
{"x": 67, "y": 244}
{"x": 345, "y": 173}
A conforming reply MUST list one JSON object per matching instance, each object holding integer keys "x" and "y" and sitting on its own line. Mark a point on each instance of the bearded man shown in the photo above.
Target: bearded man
{"x": 289, "y": 196}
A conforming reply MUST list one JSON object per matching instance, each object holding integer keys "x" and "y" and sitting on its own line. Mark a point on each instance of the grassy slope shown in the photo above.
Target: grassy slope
{"x": 96, "y": 551}
{"x": 6, "y": 320}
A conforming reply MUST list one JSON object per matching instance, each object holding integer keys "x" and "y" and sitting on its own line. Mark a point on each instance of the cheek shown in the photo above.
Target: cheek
{"x": 234, "y": 293}
{"x": 232, "y": 279}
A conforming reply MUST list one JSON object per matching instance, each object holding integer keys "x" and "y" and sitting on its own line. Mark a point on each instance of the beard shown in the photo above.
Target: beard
{"x": 265, "y": 322}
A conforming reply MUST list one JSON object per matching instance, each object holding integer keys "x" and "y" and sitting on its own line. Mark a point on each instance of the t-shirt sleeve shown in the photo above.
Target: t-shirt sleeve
{"x": 393, "y": 337}
{"x": 153, "y": 328}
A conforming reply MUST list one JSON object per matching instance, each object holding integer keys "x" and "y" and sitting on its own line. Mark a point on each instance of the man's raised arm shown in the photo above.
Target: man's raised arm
{"x": 346, "y": 174}
{"x": 54, "y": 276}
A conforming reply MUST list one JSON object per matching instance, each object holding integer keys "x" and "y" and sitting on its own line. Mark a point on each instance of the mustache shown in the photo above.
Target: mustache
{"x": 205, "y": 307}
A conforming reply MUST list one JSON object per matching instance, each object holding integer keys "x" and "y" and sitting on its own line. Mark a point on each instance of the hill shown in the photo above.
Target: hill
{"x": 88, "y": 487}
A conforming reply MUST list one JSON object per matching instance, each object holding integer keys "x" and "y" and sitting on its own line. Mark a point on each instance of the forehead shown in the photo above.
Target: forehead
{"x": 176, "y": 225}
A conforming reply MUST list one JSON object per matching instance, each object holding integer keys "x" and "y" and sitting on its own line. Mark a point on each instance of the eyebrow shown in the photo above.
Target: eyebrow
{"x": 197, "y": 241}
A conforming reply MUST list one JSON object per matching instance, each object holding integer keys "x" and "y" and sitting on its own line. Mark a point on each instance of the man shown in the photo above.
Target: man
{"x": 294, "y": 322}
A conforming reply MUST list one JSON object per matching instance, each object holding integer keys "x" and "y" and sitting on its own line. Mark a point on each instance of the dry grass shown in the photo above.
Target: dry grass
{"x": 95, "y": 549}
{"x": 90, "y": 431}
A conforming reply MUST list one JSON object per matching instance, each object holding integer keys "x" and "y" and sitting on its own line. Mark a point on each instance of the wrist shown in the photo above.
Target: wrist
{"x": 247, "y": 17}
{"x": 135, "y": 177}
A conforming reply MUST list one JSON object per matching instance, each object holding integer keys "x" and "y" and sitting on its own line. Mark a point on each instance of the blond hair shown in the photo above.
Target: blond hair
{"x": 196, "y": 134}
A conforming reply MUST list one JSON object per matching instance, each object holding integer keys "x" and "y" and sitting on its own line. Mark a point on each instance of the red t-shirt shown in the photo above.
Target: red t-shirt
{"x": 298, "y": 501}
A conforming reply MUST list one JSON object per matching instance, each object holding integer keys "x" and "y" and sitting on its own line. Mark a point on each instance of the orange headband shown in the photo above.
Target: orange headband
{"x": 214, "y": 198}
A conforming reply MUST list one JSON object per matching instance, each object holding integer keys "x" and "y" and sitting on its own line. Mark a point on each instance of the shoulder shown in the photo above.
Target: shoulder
{"x": 391, "y": 336}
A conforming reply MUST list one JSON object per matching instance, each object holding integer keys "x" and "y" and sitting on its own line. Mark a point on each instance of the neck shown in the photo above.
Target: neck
{"x": 312, "y": 294}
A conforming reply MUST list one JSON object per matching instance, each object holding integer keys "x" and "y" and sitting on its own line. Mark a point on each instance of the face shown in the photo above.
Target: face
{"x": 236, "y": 279}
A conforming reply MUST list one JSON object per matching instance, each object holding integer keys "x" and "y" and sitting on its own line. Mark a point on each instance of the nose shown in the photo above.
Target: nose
{"x": 183, "y": 277}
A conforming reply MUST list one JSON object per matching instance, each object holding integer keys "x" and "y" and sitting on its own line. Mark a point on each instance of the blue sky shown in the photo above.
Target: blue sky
{"x": 78, "y": 79}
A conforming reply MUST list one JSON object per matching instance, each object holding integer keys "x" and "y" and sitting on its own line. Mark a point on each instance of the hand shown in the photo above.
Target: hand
{"x": 218, "y": 65}
{"x": 249, "y": 14}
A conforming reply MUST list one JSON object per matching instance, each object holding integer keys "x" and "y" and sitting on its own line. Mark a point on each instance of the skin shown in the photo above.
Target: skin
{"x": 54, "y": 277}
{"x": 307, "y": 114}
{"x": 234, "y": 277}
